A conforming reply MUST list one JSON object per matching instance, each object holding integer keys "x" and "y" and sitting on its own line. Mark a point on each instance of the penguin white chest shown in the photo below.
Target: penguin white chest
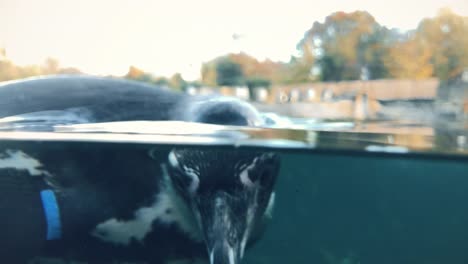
{"x": 167, "y": 209}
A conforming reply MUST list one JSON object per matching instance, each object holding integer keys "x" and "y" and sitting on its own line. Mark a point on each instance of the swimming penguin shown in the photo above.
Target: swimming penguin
{"x": 85, "y": 99}
{"x": 112, "y": 203}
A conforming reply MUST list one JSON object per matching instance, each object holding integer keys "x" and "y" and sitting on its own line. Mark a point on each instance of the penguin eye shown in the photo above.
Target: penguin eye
{"x": 265, "y": 171}
{"x": 262, "y": 175}
{"x": 186, "y": 180}
{"x": 247, "y": 177}
{"x": 254, "y": 176}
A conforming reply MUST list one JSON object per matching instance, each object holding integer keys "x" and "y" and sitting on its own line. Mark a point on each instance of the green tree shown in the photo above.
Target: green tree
{"x": 332, "y": 68}
{"x": 229, "y": 73}
{"x": 299, "y": 69}
{"x": 346, "y": 44}
{"x": 373, "y": 48}
{"x": 250, "y": 66}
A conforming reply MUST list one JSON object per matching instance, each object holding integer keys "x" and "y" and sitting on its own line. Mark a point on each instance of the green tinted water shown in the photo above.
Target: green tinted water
{"x": 351, "y": 208}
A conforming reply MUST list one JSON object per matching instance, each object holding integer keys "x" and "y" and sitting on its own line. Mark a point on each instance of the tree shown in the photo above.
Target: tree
{"x": 250, "y": 67}
{"x": 229, "y": 73}
{"x": 300, "y": 69}
{"x": 51, "y": 66}
{"x": 208, "y": 73}
{"x": 446, "y": 36}
{"x": 177, "y": 82}
{"x": 134, "y": 73}
{"x": 137, "y": 74}
{"x": 372, "y": 50}
{"x": 8, "y": 71}
{"x": 409, "y": 59}
{"x": 345, "y": 45}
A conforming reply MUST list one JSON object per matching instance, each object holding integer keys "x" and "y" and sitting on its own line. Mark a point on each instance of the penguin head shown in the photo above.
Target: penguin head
{"x": 228, "y": 193}
{"x": 222, "y": 111}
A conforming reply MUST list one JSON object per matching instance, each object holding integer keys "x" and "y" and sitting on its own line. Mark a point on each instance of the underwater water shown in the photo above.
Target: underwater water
{"x": 367, "y": 194}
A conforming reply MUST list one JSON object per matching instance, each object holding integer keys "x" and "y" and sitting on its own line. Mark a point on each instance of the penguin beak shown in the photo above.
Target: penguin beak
{"x": 223, "y": 253}
{"x": 223, "y": 229}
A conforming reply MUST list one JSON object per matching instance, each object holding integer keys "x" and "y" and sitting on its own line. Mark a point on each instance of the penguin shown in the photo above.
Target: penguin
{"x": 87, "y": 99}
{"x": 134, "y": 203}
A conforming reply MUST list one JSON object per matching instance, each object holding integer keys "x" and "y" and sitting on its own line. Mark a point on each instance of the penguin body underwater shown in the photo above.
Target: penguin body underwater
{"x": 123, "y": 204}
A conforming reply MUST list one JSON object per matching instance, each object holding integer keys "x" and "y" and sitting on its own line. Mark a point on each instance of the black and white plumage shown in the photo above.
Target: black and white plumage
{"x": 86, "y": 99}
{"x": 136, "y": 204}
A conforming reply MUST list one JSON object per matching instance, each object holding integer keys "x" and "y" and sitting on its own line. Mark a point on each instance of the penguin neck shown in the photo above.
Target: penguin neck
{"x": 186, "y": 219}
{"x": 217, "y": 110}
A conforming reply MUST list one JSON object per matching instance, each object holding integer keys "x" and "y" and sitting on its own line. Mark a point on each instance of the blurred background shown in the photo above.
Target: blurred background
{"x": 397, "y": 69}
{"x": 335, "y": 60}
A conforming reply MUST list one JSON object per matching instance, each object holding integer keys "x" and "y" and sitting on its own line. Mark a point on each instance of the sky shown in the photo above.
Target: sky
{"x": 163, "y": 37}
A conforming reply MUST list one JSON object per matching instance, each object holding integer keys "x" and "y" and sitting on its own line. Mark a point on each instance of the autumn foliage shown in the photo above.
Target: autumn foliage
{"x": 345, "y": 46}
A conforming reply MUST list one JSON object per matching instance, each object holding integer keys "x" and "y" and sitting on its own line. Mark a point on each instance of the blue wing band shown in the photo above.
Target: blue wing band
{"x": 52, "y": 215}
